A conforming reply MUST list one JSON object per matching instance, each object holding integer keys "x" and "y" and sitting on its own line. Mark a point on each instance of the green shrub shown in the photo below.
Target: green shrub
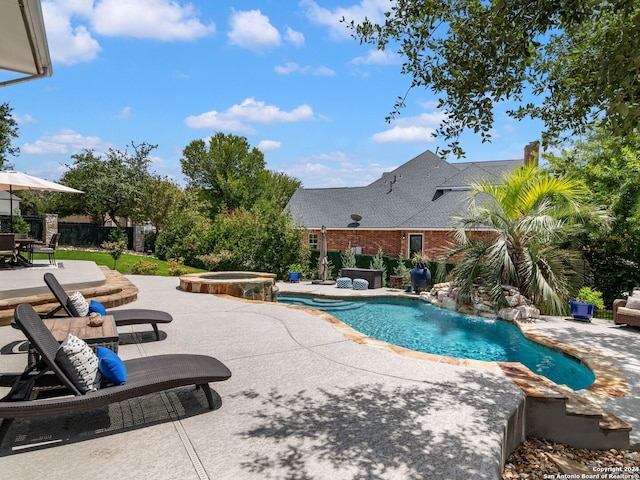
{"x": 176, "y": 267}
{"x": 348, "y": 258}
{"x": 378, "y": 263}
{"x": 587, "y": 295}
{"x": 142, "y": 267}
{"x": 20, "y": 225}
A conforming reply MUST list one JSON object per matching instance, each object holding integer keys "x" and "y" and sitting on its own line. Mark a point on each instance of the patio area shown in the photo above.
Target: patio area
{"x": 304, "y": 401}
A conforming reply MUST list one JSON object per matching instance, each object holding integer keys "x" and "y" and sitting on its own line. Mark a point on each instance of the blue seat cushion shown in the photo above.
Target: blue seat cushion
{"x": 111, "y": 366}
{"x": 97, "y": 307}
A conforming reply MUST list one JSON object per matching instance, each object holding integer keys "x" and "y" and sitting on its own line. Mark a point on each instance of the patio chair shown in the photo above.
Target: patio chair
{"x": 8, "y": 247}
{"x": 49, "y": 249}
{"x": 128, "y": 316}
{"x": 143, "y": 376}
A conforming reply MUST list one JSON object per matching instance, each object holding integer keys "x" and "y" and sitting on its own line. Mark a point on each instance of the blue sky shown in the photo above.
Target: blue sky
{"x": 284, "y": 74}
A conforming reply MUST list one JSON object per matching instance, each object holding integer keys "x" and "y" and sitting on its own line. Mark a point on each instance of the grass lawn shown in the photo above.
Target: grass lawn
{"x": 124, "y": 262}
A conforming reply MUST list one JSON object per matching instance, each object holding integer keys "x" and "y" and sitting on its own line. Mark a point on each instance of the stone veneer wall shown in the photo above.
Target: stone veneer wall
{"x": 50, "y": 226}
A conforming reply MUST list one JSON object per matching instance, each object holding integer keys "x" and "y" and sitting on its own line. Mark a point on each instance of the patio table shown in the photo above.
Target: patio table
{"x": 106, "y": 335}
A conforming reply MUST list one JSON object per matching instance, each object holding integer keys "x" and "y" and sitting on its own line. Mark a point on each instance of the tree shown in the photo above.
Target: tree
{"x": 112, "y": 184}
{"x": 532, "y": 222}
{"x": 580, "y": 59}
{"x": 157, "y": 198}
{"x": 8, "y": 131}
{"x": 231, "y": 175}
{"x": 610, "y": 168}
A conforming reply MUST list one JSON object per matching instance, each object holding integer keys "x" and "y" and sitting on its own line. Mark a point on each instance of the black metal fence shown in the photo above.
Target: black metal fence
{"x": 89, "y": 235}
{"x": 36, "y": 223}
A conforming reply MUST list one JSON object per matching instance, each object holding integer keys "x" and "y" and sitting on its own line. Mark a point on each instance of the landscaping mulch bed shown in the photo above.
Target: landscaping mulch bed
{"x": 541, "y": 459}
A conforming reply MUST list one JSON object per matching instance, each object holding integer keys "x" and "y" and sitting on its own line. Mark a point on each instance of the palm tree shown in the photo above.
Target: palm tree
{"x": 524, "y": 232}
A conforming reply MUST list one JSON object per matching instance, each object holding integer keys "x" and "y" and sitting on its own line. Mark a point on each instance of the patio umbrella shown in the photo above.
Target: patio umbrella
{"x": 10, "y": 180}
{"x": 323, "y": 253}
{"x": 323, "y": 262}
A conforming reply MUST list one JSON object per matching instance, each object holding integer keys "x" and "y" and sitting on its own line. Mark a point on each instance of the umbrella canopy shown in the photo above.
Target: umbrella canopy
{"x": 23, "y": 40}
{"x": 10, "y": 180}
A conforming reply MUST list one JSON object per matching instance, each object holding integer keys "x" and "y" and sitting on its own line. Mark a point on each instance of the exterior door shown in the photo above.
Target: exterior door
{"x": 415, "y": 244}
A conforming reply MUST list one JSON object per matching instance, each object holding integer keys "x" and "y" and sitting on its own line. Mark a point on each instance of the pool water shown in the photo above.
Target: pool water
{"x": 426, "y": 328}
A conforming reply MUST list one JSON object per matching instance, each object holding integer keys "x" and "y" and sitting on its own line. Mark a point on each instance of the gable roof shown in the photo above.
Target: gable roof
{"x": 423, "y": 193}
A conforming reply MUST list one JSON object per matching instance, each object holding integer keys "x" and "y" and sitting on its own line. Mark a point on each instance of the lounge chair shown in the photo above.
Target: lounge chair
{"x": 128, "y": 316}
{"x": 144, "y": 375}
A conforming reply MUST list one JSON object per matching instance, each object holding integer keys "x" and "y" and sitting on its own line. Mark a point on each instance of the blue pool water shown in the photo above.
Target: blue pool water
{"x": 423, "y": 327}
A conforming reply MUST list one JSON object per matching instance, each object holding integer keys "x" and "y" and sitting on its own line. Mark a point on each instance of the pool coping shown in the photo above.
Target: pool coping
{"x": 609, "y": 381}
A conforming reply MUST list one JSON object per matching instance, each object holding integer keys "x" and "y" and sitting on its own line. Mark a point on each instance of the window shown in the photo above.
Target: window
{"x": 415, "y": 244}
{"x": 313, "y": 240}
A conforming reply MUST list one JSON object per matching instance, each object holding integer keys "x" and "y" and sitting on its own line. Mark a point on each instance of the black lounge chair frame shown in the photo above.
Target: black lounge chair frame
{"x": 144, "y": 376}
{"x": 128, "y": 316}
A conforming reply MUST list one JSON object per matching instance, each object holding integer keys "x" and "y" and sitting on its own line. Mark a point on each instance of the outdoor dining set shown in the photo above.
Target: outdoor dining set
{"x": 17, "y": 249}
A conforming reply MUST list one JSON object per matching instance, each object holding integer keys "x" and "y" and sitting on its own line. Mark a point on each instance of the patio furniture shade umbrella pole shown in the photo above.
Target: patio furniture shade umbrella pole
{"x": 323, "y": 263}
{"x": 10, "y": 180}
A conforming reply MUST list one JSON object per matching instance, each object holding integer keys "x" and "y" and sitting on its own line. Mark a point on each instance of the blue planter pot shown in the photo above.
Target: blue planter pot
{"x": 581, "y": 311}
{"x": 295, "y": 277}
{"x": 420, "y": 277}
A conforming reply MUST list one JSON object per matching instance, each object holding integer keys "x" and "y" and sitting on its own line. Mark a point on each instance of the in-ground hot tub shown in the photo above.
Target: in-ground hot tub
{"x": 249, "y": 285}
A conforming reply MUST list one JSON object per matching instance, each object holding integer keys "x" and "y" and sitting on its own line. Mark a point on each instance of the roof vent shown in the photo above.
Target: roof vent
{"x": 355, "y": 217}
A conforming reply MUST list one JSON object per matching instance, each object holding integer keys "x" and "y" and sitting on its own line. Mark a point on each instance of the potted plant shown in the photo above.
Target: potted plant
{"x": 295, "y": 272}
{"x": 586, "y": 302}
{"x": 420, "y": 273}
{"x": 402, "y": 276}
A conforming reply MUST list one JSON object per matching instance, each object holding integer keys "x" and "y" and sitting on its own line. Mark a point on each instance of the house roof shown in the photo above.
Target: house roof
{"x": 422, "y": 194}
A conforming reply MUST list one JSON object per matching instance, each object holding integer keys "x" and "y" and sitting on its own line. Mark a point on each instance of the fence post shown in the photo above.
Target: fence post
{"x": 49, "y": 226}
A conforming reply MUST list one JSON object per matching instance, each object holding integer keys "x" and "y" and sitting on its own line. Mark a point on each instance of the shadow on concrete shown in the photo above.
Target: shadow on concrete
{"x": 26, "y": 435}
{"x": 376, "y": 432}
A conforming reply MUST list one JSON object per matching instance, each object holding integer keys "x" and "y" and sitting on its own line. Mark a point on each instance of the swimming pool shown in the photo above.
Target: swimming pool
{"x": 426, "y": 328}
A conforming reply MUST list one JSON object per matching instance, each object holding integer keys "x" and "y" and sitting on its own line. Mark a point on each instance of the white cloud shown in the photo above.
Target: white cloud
{"x": 292, "y": 36}
{"x": 292, "y": 67}
{"x": 124, "y": 114}
{"x": 371, "y": 9}
{"x": 23, "y": 119}
{"x": 418, "y": 129}
{"x": 378, "y": 57}
{"x": 156, "y": 19}
{"x": 269, "y": 145}
{"x": 71, "y": 24}
{"x": 334, "y": 169}
{"x": 239, "y": 118}
{"x": 63, "y": 142}
{"x": 68, "y": 44}
{"x": 252, "y": 30}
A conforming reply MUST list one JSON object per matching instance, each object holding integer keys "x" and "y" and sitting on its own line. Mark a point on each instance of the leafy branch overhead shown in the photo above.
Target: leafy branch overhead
{"x": 579, "y": 58}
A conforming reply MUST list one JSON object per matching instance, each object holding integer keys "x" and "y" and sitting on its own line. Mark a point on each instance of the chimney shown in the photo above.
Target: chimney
{"x": 531, "y": 152}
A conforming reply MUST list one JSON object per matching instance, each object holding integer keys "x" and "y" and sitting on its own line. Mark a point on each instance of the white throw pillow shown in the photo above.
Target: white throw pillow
{"x": 633, "y": 302}
{"x": 80, "y": 304}
{"x": 79, "y": 363}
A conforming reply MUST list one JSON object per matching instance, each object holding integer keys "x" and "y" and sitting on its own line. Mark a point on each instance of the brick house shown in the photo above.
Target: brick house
{"x": 406, "y": 211}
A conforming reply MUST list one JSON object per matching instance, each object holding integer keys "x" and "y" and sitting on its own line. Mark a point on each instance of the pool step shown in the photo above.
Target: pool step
{"x": 117, "y": 290}
{"x": 558, "y": 413}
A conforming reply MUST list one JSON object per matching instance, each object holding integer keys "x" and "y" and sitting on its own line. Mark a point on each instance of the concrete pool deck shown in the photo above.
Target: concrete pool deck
{"x": 303, "y": 402}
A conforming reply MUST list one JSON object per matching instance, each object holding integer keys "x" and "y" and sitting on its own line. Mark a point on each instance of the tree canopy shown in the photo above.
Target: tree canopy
{"x": 579, "y": 58}
{"x": 8, "y": 132}
{"x": 231, "y": 175}
{"x": 112, "y": 184}
{"x": 610, "y": 168}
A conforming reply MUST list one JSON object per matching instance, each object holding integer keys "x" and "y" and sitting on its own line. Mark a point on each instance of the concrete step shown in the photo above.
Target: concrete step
{"x": 558, "y": 413}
